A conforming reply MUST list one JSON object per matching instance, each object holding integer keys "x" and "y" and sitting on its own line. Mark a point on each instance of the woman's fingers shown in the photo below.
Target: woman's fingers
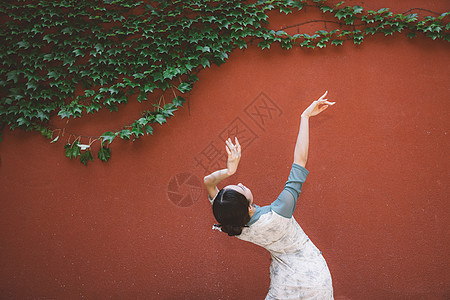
{"x": 229, "y": 143}
{"x": 323, "y": 96}
{"x": 237, "y": 144}
{"x": 233, "y": 148}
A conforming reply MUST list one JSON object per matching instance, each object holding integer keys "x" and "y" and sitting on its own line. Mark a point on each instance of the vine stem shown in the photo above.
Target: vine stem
{"x": 173, "y": 91}
{"x": 355, "y": 25}
{"x": 421, "y": 9}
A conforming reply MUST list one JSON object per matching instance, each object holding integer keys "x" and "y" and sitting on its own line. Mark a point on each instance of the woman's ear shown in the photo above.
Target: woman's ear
{"x": 251, "y": 210}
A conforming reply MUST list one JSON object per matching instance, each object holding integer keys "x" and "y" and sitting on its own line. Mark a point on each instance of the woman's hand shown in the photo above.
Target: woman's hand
{"x": 317, "y": 106}
{"x": 234, "y": 155}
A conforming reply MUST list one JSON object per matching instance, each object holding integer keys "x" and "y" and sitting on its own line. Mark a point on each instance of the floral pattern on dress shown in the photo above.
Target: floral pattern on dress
{"x": 298, "y": 269}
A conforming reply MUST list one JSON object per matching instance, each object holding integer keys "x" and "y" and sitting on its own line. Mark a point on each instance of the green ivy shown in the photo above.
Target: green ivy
{"x": 114, "y": 50}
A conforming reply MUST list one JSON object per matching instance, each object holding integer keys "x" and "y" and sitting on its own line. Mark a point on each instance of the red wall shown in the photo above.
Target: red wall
{"x": 139, "y": 226}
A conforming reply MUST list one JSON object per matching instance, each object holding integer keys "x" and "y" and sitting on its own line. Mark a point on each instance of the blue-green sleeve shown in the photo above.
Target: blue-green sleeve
{"x": 284, "y": 205}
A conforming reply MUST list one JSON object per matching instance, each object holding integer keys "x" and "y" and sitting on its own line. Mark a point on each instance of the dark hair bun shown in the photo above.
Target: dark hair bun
{"x": 232, "y": 230}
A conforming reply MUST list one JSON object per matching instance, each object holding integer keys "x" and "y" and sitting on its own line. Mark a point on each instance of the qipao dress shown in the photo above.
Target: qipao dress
{"x": 298, "y": 270}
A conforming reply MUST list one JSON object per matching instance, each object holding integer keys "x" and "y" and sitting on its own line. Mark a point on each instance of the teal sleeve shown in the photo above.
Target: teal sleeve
{"x": 285, "y": 204}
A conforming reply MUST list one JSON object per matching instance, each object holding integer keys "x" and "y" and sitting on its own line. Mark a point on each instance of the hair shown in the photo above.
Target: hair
{"x": 230, "y": 208}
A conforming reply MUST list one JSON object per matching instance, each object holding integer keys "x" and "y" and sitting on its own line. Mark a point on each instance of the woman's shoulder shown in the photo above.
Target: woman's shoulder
{"x": 269, "y": 227}
{"x": 265, "y": 216}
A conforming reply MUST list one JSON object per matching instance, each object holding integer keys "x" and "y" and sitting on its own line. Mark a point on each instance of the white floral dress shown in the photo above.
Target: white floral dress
{"x": 298, "y": 269}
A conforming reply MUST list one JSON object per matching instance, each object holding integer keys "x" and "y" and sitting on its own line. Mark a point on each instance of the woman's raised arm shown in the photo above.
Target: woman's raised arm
{"x": 234, "y": 155}
{"x": 302, "y": 144}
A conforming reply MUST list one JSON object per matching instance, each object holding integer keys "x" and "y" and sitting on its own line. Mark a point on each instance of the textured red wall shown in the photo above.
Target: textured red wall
{"x": 139, "y": 226}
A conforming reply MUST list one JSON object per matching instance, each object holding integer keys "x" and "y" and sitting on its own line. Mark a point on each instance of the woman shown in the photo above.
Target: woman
{"x": 298, "y": 269}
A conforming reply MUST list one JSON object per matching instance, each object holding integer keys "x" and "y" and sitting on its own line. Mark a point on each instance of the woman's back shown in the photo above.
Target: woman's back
{"x": 277, "y": 234}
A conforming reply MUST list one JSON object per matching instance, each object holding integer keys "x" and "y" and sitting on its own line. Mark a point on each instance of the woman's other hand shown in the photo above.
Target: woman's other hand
{"x": 317, "y": 106}
{"x": 234, "y": 155}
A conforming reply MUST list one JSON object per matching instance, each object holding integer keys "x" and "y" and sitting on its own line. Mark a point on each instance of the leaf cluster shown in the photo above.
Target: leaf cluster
{"x": 70, "y": 58}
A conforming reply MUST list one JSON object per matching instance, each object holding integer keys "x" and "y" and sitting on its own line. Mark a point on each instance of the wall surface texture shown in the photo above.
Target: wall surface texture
{"x": 139, "y": 226}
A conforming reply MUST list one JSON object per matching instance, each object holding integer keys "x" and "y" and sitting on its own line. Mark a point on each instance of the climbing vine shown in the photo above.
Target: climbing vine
{"x": 116, "y": 50}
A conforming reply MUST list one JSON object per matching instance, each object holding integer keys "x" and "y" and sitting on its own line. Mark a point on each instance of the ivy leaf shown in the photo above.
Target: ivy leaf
{"x": 104, "y": 154}
{"x": 45, "y": 132}
{"x": 193, "y": 77}
{"x": 78, "y": 52}
{"x": 205, "y": 62}
{"x": 367, "y": 19}
{"x": 55, "y": 140}
{"x": 99, "y": 47}
{"x": 108, "y": 137}
{"x": 125, "y": 134}
{"x": 326, "y": 9}
{"x": 340, "y": 14}
{"x": 286, "y": 44}
{"x": 65, "y": 113}
{"x": 68, "y": 150}
{"x": 142, "y": 121}
{"x": 185, "y": 87}
{"x": 23, "y": 44}
{"x": 321, "y": 44}
{"x": 240, "y": 43}
{"x": 141, "y": 97}
{"x": 286, "y": 10}
{"x": 264, "y": 44}
{"x": 114, "y": 90}
{"x": 148, "y": 129}
{"x": 170, "y": 73}
{"x": 222, "y": 56}
{"x": 322, "y": 32}
{"x": 298, "y": 4}
{"x": 178, "y": 101}
{"x": 94, "y": 107}
{"x": 358, "y": 37}
{"x": 42, "y": 115}
{"x": 149, "y": 87}
{"x": 86, "y": 157}
{"x": 112, "y": 107}
{"x": 13, "y": 75}
{"x": 84, "y": 146}
{"x": 357, "y": 9}
{"x": 139, "y": 75}
{"x": 370, "y": 30}
{"x": 89, "y": 93}
{"x": 160, "y": 119}
{"x": 204, "y": 48}
{"x": 412, "y": 35}
{"x": 337, "y": 42}
{"x": 158, "y": 76}
{"x": 72, "y": 150}
{"x": 388, "y": 31}
{"x": 54, "y": 74}
{"x": 137, "y": 129}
